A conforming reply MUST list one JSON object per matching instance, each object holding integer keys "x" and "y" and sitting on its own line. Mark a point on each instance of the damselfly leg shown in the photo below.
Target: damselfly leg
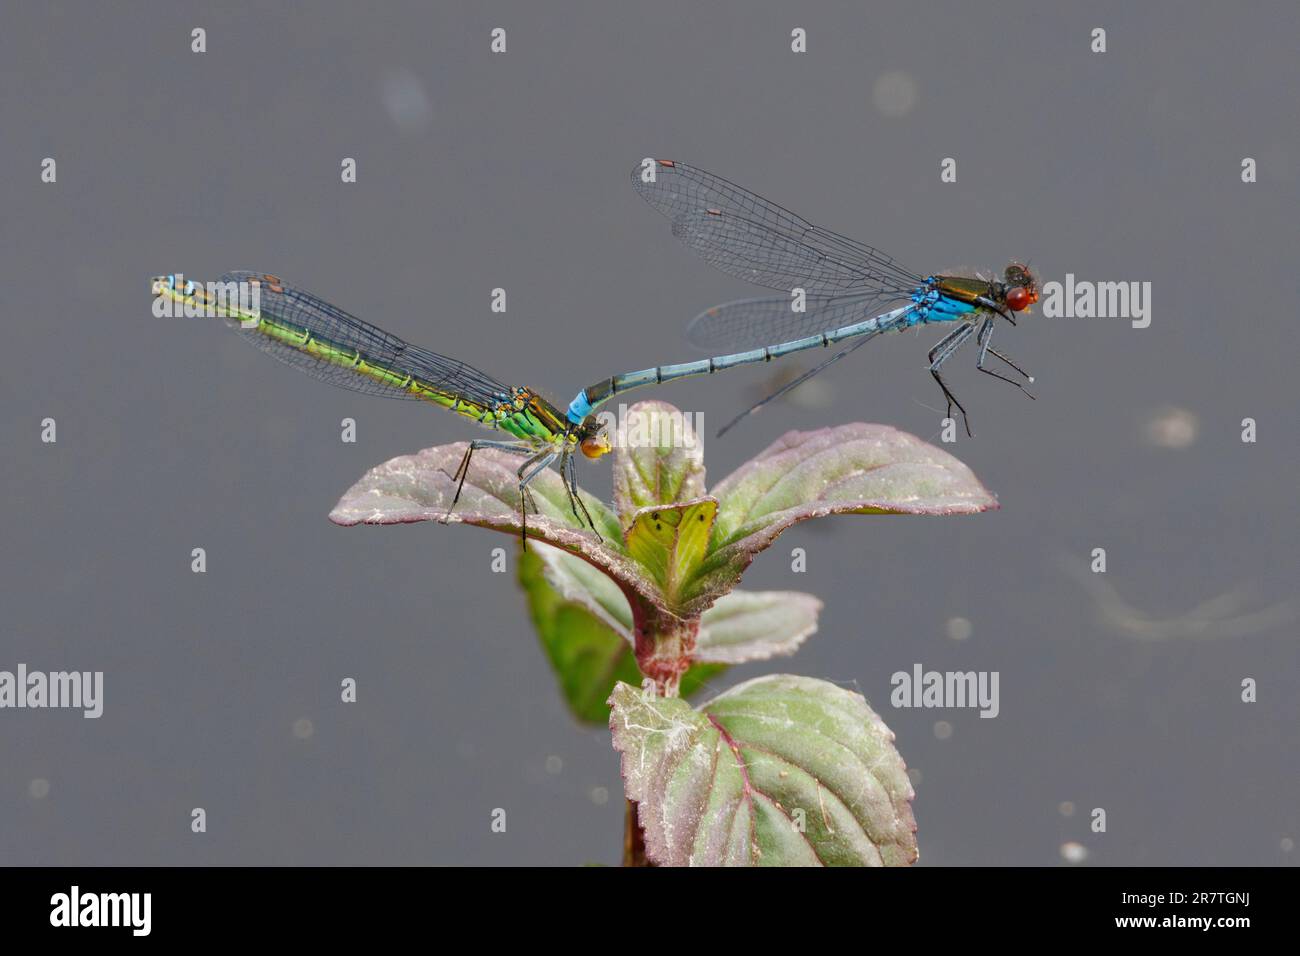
{"x": 569, "y": 472}
{"x": 527, "y": 472}
{"x": 986, "y": 337}
{"x": 994, "y": 307}
{"x": 945, "y": 350}
{"x": 513, "y": 448}
{"x": 537, "y": 462}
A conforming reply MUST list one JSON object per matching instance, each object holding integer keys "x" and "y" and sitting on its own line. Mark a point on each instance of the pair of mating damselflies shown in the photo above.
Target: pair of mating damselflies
{"x": 845, "y": 285}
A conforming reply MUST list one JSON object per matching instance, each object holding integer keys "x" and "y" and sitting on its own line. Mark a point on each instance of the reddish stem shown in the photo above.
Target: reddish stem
{"x": 633, "y": 838}
{"x": 665, "y": 645}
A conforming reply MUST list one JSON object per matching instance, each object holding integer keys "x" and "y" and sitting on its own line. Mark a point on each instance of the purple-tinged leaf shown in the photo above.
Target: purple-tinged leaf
{"x": 857, "y": 467}
{"x": 588, "y": 657}
{"x": 851, "y": 469}
{"x": 418, "y": 487}
{"x": 742, "y": 626}
{"x": 577, "y": 581}
{"x": 777, "y": 771}
{"x": 756, "y": 625}
{"x": 659, "y": 460}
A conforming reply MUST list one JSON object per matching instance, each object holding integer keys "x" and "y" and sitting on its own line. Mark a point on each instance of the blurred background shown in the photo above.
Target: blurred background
{"x": 478, "y": 170}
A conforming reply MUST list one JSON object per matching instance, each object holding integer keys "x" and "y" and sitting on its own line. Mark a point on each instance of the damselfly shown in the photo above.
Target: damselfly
{"x": 840, "y": 283}
{"x": 329, "y": 344}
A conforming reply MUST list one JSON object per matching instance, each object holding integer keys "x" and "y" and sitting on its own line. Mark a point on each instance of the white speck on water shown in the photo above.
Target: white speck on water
{"x": 942, "y": 729}
{"x": 405, "y": 100}
{"x": 554, "y": 764}
{"x": 959, "y": 628}
{"x": 1072, "y": 852}
{"x": 38, "y": 789}
{"x": 303, "y": 728}
{"x": 1171, "y": 427}
{"x": 894, "y": 93}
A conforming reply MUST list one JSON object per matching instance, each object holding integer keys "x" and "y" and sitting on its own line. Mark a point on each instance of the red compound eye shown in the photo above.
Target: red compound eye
{"x": 1019, "y": 299}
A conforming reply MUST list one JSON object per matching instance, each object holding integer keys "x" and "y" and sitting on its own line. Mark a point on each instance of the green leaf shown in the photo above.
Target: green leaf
{"x": 742, "y": 626}
{"x": 669, "y": 542}
{"x": 584, "y": 625}
{"x": 695, "y": 680}
{"x": 418, "y": 487}
{"x": 588, "y": 657}
{"x": 576, "y": 581}
{"x": 686, "y": 552}
{"x": 659, "y": 460}
{"x": 777, "y": 771}
{"x": 851, "y": 469}
{"x": 755, "y": 625}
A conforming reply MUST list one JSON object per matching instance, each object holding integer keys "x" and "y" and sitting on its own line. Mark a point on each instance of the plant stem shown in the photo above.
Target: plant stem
{"x": 665, "y": 645}
{"x": 633, "y": 839}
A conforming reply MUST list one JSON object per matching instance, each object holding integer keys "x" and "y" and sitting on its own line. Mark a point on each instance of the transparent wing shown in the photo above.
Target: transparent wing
{"x": 754, "y": 323}
{"x": 747, "y": 236}
{"x": 300, "y": 311}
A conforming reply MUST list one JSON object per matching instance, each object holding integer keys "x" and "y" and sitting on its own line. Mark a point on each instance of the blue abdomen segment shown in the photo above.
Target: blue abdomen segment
{"x": 579, "y": 408}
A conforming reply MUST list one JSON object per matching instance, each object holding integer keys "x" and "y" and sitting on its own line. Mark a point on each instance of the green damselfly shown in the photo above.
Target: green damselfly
{"x": 329, "y": 344}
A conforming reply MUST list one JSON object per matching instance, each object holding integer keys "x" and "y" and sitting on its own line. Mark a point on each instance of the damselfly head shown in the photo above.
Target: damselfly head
{"x": 175, "y": 287}
{"x": 1021, "y": 287}
{"x": 592, "y": 438}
